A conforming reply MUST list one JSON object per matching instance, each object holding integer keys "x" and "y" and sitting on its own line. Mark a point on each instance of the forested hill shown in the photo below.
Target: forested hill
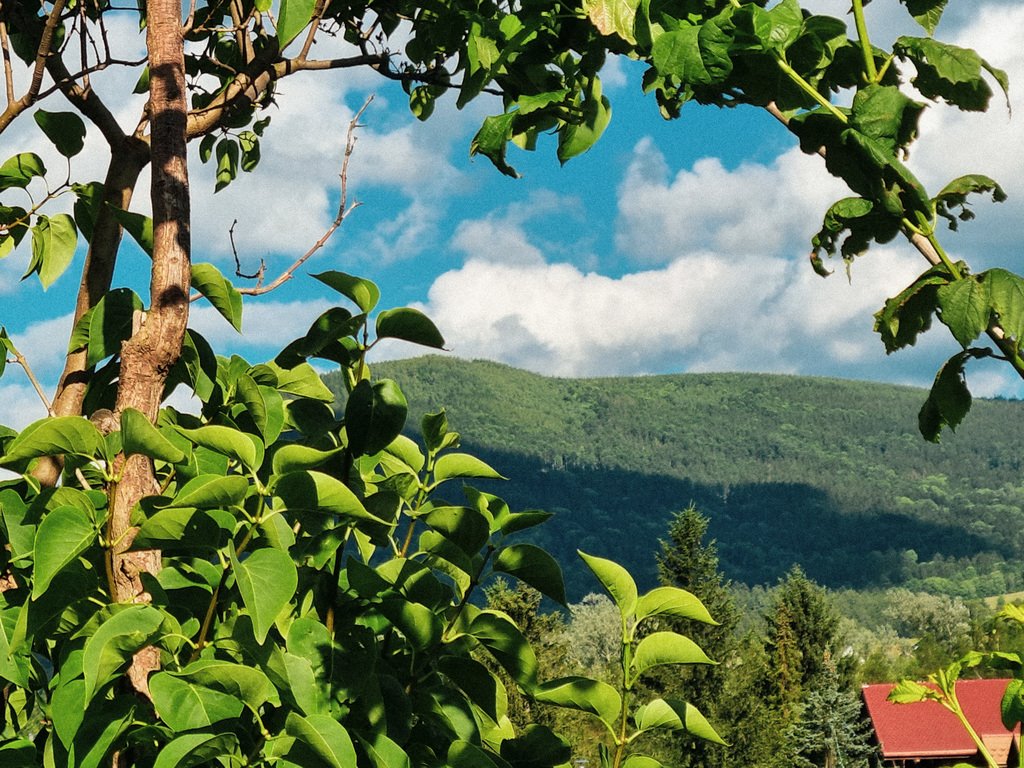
{"x": 829, "y": 474}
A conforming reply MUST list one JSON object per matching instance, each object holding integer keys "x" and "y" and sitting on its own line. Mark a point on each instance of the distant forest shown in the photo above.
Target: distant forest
{"x": 828, "y": 474}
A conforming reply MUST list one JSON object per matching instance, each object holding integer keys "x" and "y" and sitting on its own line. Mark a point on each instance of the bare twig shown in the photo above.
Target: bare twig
{"x": 344, "y": 209}
{"x": 20, "y": 360}
{"x": 259, "y": 274}
{"x": 8, "y": 71}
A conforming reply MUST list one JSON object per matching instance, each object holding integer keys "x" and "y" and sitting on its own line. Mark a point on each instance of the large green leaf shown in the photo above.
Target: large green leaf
{"x": 613, "y": 17}
{"x": 616, "y": 580}
{"x": 212, "y": 492}
{"x": 140, "y": 227}
{"x": 64, "y": 534}
{"x": 138, "y": 435}
{"x": 672, "y": 601}
{"x": 576, "y": 138}
{"x": 325, "y": 736}
{"x": 465, "y": 526}
{"x": 534, "y": 566}
{"x": 194, "y": 749}
{"x": 20, "y": 753}
{"x": 65, "y": 129}
{"x": 302, "y": 380}
{"x": 295, "y": 16}
{"x": 1006, "y": 293}
{"x": 374, "y": 415}
{"x": 219, "y": 291}
{"x": 363, "y": 293}
{"x": 964, "y": 306}
{"x": 594, "y": 696}
{"x": 410, "y": 325}
{"x": 294, "y": 457}
{"x": 384, "y": 753}
{"x": 184, "y": 705}
{"x": 506, "y": 643}
{"x": 667, "y": 648}
{"x": 19, "y": 170}
{"x": 264, "y": 404}
{"x": 316, "y": 491}
{"x": 116, "y": 641}
{"x": 641, "y": 761}
{"x": 464, "y": 754}
{"x": 56, "y": 436}
{"x": 242, "y": 447}
{"x": 675, "y": 715}
{"x": 267, "y": 579}
{"x": 15, "y": 661}
{"x": 455, "y": 465}
{"x": 926, "y": 12}
{"x": 54, "y": 239}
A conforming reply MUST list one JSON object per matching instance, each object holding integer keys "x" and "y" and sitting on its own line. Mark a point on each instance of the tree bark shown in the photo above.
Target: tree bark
{"x": 147, "y": 357}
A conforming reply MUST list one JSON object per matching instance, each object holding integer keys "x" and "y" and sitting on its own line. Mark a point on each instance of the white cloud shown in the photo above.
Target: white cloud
{"x": 752, "y": 209}
{"x": 267, "y": 324}
{"x": 19, "y": 404}
{"x": 703, "y": 312}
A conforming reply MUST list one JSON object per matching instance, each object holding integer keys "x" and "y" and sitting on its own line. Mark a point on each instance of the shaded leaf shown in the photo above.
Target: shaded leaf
{"x": 534, "y": 566}
{"x": 64, "y": 534}
{"x": 584, "y": 694}
{"x": 219, "y": 291}
{"x": 267, "y": 579}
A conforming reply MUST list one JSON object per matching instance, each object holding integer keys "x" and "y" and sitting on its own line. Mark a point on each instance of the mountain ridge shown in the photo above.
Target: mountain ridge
{"x": 824, "y": 472}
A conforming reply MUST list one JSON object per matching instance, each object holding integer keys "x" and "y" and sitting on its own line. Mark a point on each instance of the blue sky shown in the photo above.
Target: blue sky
{"x": 669, "y": 247}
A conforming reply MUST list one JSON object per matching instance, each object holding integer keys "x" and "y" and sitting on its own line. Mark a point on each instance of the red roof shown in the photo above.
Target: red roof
{"x": 927, "y": 729}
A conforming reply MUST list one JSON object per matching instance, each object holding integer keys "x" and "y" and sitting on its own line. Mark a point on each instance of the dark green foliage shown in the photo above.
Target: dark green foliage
{"x": 826, "y": 473}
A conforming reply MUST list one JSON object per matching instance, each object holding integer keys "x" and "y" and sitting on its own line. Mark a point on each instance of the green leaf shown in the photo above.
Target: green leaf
{"x": 468, "y": 528}
{"x": 384, "y": 753}
{"x": 907, "y": 315}
{"x": 64, "y": 534}
{"x": 1011, "y": 708}
{"x": 110, "y": 323}
{"x": 926, "y": 12}
{"x": 227, "y": 161}
{"x": 295, "y": 15}
{"x": 672, "y": 601}
{"x": 294, "y": 457}
{"x": 20, "y": 753}
{"x": 410, "y": 325}
{"x": 19, "y": 170}
{"x": 194, "y": 749}
{"x": 316, "y": 491}
{"x": 243, "y": 448}
{"x": 463, "y": 754}
{"x": 139, "y": 227}
{"x": 954, "y": 196}
{"x": 613, "y": 17}
{"x": 56, "y": 436}
{"x": 267, "y": 579}
{"x": 264, "y": 404}
{"x": 480, "y": 685}
{"x": 676, "y": 715}
{"x": 1006, "y": 293}
{"x": 184, "y": 706}
{"x": 617, "y": 581}
{"x": 537, "y": 745}
{"x": 186, "y": 529}
{"x": 534, "y": 566}
{"x": 964, "y": 307}
{"x": 455, "y": 465}
{"x": 15, "y": 659}
{"x": 502, "y": 638}
{"x": 65, "y": 129}
{"x": 667, "y": 648}
{"x": 677, "y": 53}
{"x": 908, "y": 692}
{"x": 576, "y": 138}
{"x": 948, "y": 401}
{"x": 302, "y": 380}
{"x": 583, "y": 694}
{"x": 116, "y": 641}
{"x": 219, "y": 291}
{"x": 363, "y": 293}
{"x": 138, "y": 435}
{"x": 949, "y": 72}
{"x": 374, "y": 416}
{"x": 325, "y": 736}
{"x": 641, "y": 761}
{"x": 210, "y": 491}
{"x": 492, "y": 139}
{"x": 54, "y": 239}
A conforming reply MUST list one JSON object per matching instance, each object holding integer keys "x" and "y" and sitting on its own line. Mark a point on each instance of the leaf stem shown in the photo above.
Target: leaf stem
{"x": 809, "y": 89}
{"x": 870, "y": 71}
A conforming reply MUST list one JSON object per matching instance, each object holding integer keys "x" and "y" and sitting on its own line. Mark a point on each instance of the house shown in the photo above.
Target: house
{"x": 927, "y": 735}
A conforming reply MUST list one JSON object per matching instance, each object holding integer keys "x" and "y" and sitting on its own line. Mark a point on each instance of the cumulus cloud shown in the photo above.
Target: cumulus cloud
{"x": 754, "y": 208}
{"x": 702, "y": 312}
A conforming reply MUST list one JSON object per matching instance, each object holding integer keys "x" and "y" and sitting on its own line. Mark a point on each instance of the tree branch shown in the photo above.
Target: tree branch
{"x": 344, "y": 209}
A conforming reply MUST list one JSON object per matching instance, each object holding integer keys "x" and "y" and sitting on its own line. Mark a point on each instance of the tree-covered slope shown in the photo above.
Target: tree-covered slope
{"x": 826, "y": 473}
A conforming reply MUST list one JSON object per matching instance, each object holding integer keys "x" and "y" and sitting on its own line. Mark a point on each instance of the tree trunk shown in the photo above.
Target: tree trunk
{"x": 147, "y": 357}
